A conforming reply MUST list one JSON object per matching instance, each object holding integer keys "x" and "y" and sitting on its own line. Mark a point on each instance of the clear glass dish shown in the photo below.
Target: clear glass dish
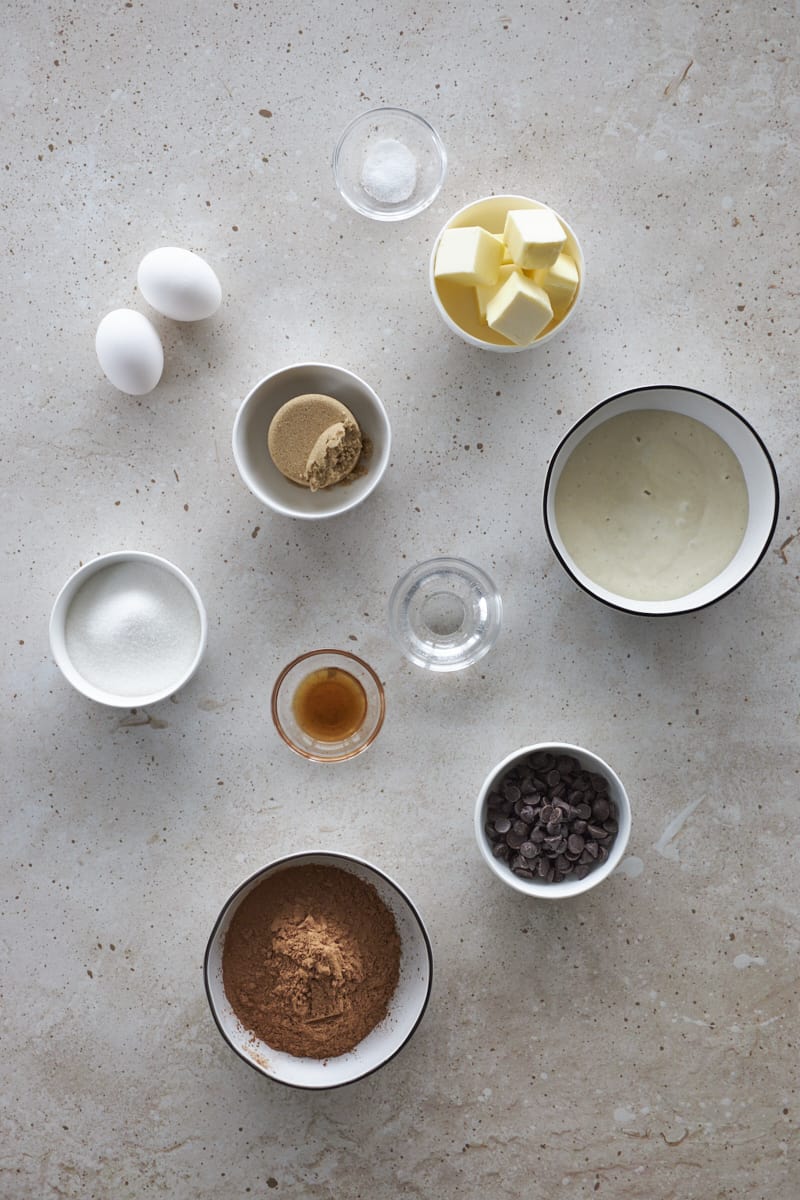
{"x": 373, "y": 164}
{"x": 445, "y": 614}
{"x": 327, "y": 745}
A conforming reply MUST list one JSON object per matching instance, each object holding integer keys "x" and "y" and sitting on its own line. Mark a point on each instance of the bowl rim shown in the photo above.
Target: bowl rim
{"x": 333, "y": 758}
{"x": 662, "y": 387}
{"x": 337, "y": 856}
{"x": 498, "y": 347}
{"x": 389, "y": 214}
{"x": 528, "y": 887}
{"x": 284, "y": 509}
{"x": 58, "y": 618}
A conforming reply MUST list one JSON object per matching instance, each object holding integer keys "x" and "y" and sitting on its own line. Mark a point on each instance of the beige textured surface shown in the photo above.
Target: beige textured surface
{"x": 638, "y": 1043}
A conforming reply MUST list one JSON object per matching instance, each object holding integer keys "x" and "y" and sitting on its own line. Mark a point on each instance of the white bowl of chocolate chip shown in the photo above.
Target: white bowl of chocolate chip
{"x": 552, "y": 820}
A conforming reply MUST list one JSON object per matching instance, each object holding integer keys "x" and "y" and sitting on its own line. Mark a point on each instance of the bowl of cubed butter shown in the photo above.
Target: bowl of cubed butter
{"x": 506, "y": 273}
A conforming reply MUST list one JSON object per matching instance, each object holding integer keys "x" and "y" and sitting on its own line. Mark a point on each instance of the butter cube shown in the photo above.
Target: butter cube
{"x": 535, "y": 237}
{"x": 484, "y": 292}
{"x": 559, "y": 281}
{"x": 506, "y": 256}
{"x": 520, "y": 310}
{"x": 468, "y": 256}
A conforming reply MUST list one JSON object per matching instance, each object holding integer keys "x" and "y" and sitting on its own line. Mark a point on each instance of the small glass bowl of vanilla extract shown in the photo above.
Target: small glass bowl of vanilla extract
{"x": 328, "y": 705}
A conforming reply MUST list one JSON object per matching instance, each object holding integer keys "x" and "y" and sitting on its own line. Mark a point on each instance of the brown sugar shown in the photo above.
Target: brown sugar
{"x": 314, "y": 440}
{"x": 311, "y": 960}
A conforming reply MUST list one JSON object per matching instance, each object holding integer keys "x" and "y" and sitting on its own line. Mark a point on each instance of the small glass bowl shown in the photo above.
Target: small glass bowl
{"x": 363, "y": 135}
{"x": 445, "y": 614}
{"x": 308, "y": 746}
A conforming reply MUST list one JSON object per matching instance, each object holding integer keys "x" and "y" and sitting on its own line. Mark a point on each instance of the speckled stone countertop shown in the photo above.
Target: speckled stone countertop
{"x": 639, "y": 1042}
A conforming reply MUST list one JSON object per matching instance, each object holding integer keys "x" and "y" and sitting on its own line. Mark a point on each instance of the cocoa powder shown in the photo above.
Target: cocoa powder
{"x": 311, "y": 960}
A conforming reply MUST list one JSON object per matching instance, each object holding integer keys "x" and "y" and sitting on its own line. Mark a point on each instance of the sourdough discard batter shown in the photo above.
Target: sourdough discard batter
{"x": 651, "y": 505}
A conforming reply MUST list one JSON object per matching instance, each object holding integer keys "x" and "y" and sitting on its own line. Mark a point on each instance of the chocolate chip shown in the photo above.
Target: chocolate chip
{"x": 600, "y": 809}
{"x": 549, "y": 819}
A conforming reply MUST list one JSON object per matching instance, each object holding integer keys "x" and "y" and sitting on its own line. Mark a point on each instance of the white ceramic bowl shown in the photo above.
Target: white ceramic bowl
{"x": 567, "y": 887}
{"x": 368, "y": 130}
{"x": 406, "y": 1007}
{"x": 119, "y": 698}
{"x": 456, "y": 305}
{"x": 759, "y": 473}
{"x": 253, "y": 459}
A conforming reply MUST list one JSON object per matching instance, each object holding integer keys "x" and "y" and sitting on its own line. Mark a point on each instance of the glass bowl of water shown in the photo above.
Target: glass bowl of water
{"x": 389, "y": 164}
{"x": 445, "y": 614}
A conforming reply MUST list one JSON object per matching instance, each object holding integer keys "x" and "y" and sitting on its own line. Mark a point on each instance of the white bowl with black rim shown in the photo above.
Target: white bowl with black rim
{"x": 590, "y": 764}
{"x": 406, "y": 1007}
{"x": 758, "y": 514}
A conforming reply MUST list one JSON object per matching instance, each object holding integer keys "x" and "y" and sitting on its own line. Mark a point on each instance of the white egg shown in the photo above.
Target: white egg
{"x": 179, "y": 284}
{"x": 129, "y": 351}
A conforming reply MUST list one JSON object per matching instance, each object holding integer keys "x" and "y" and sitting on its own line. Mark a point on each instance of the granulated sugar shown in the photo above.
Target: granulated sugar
{"x": 132, "y": 629}
{"x": 389, "y": 172}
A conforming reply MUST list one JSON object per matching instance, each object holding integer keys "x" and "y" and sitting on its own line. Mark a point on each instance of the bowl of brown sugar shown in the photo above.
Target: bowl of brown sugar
{"x": 318, "y": 970}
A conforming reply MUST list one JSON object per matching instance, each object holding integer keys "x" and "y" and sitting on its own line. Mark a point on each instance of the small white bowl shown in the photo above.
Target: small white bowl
{"x": 253, "y": 459}
{"x": 389, "y": 124}
{"x": 567, "y": 887}
{"x": 457, "y": 306}
{"x": 406, "y": 1008}
{"x": 759, "y": 474}
{"x": 148, "y": 564}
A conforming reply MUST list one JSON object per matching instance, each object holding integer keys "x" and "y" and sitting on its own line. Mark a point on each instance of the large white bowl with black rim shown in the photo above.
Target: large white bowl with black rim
{"x": 757, "y": 466}
{"x": 406, "y": 1007}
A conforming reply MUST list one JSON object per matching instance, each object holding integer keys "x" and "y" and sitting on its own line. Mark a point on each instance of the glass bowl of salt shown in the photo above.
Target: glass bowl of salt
{"x": 128, "y": 629}
{"x": 389, "y": 164}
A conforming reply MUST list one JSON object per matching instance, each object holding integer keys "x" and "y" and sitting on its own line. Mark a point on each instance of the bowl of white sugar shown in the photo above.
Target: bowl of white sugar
{"x": 128, "y": 629}
{"x": 661, "y": 500}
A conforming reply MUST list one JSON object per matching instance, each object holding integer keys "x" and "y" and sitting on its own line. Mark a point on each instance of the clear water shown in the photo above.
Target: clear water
{"x": 445, "y": 614}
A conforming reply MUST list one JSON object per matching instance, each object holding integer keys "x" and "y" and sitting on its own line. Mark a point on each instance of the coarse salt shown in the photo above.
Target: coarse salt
{"x": 132, "y": 629}
{"x": 389, "y": 172}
